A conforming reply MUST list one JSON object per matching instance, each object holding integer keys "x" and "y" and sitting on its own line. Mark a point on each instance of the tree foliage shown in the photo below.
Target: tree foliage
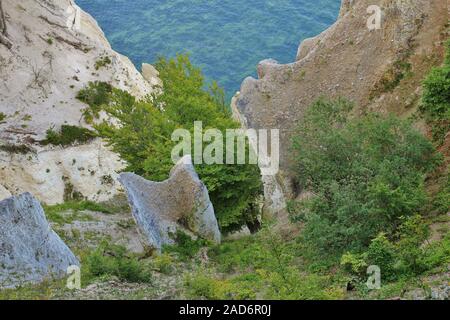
{"x": 143, "y": 138}
{"x": 366, "y": 174}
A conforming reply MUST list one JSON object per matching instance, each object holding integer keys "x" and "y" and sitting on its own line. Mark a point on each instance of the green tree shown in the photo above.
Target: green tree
{"x": 436, "y": 98}
{"x": 365, "y": 173}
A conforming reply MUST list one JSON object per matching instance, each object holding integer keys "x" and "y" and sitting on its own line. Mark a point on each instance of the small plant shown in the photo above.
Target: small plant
{"x": 50, "y": 41}
{"x": 435, "y": 105}
{"x": 102, "y": 62}
{"x": 112, "y": 260}
{"x": 164, "y": 263}
{"x": 13, "y": 148}
{"x": 68, "y": 136}
{"x": 95, "y": 95}
{"x": 2, "y": 116}
{"x": 185, "y": 247}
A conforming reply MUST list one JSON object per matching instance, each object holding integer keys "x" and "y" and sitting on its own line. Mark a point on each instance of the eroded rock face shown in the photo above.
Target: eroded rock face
{"x": 181, "y": 202}
{"x": 52, "y": 58}
{"x": 347, "y": 60}
{"x": 56, "y": 174}
{"x": 30, "y": 251}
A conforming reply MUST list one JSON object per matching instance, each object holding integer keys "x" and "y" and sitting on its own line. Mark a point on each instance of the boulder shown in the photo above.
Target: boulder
{"x": 150, "y": 74}
{"x": 179, "y": 203}
{"x": 30, "y": 251}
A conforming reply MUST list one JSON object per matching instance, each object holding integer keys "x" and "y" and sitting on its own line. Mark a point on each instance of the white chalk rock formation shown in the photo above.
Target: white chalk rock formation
{"x": 57, "y": 49}
{"x": 30, "y": 251}
{"x": 181, "y": 202}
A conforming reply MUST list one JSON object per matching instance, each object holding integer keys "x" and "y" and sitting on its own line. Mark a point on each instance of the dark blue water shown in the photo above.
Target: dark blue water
{"x": 226, "y": 38}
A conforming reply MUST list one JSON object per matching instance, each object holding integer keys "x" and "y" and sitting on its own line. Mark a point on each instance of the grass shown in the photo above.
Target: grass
{"x": 43, "y": 291}
{"x": 17, "y": 149}
{"x": 102, "y": 62}
{"x": 114, "y": 261}
{"x": 55, "y": 213}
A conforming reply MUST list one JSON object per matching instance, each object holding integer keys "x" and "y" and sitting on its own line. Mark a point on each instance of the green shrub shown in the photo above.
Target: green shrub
{"x": 102, "y": 62}
{"x": 437, "y": 254}
{"x": 354, "y": 263}
{"x": 412, "y": 234}
{"x": 112, "y": 260}
{"x": 14, "y": 148}
{"x": 68, "y": 135}
{"x": 2, "y": 116}
{"x": 144, "y": 137}
{"x": 436, "y": 99}
{"x": 186, "y": 248}
{"x": 441, "y": 201}
{"x": 164, "y": 263}
{"x": 366, "y": 174}
{"x": 203, "y": 285}
{"x": 381, "y": 253}
{"x": 95, "y": 95}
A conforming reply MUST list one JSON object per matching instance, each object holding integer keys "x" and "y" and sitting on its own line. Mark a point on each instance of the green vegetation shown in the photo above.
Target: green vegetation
{"x": 144, "y": 137}
{"x": 68, "y": 135}
{"x": 261, "y": 266}
{"x": 436, "y": 99}
{"x": 366, "y": 175}
{"x": 95, "y": 95}
{"x": 114, "y": 261}
{"x": 14, "y": 148}
{"x": 102, "y": 62}
{"x": 70, "y": 211}
{"x": 185, "y": 248}
{"x": 2, "y": 116}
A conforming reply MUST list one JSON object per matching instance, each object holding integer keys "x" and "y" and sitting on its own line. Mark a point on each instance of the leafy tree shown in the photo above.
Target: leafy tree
{"x": 366, "y": 174}
{"x": 143, "y": 138}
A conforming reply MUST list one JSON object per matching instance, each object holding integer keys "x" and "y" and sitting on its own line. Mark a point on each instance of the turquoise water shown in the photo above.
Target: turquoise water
{"x": 226, "y": 38}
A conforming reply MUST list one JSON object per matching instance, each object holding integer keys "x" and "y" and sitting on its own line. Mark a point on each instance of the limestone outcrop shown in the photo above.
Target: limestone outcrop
{"x": 30, "y": 251}
{"x": 4, "y": 193}
{"x": 347, "y": 60}
{"x": 57, "y": 50}
{"x": 181, "y": 202}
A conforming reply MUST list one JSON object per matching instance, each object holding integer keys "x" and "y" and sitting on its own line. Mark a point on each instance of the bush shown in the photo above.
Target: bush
{"x": 412, "y": 235}
{"x": 2, "y": 116}
{"x": 382, "y": 253}
{"x": 68, "y": 136}
{"x": 436, "y": 98}
{"x": 112, "y": 260}
{"x": 144, "y": 137}
{"x": 186, "y": 248}
{"x": 95, "y": 95}
{"x": 354, "y": 263}
{"x": 366, "y": 174}
{"x": 102, "y": 62}
{"x": 204, "y": 285}
{"x": 14, "y": 148}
